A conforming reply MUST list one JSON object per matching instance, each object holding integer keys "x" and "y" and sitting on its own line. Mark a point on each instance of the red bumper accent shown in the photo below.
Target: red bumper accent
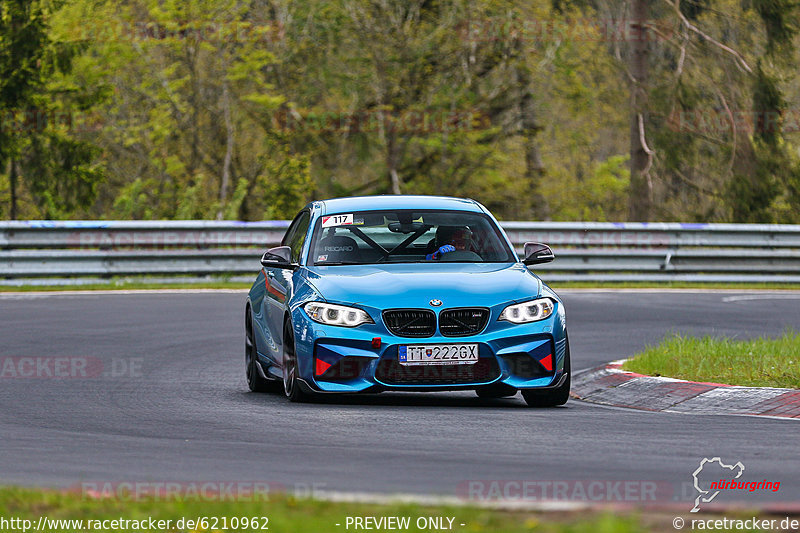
{"x": 321, "y": 367}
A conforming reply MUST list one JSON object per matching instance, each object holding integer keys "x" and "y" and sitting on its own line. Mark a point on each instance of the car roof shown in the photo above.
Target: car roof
{"x": 394, "y": 201}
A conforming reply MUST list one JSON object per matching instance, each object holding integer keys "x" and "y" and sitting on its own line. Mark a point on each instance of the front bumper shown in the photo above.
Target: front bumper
{"x": 520, "y": 356}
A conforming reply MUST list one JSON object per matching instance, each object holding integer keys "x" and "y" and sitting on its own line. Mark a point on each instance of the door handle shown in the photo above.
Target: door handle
{"x": 271, "y": 274}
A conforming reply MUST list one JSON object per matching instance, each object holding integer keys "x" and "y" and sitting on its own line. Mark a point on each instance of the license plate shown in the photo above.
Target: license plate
{"x": 438, "y": 354}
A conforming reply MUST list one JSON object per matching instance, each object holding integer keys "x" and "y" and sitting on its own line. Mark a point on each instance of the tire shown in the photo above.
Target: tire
{"x": 496, "y": 391}
{"x": 291, "y": 384}
{"x": 551, "y": 397}
{"x": 254, "y": 379}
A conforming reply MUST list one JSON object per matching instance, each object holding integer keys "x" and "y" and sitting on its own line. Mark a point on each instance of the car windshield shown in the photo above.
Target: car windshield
{"x": 368, "y": 237}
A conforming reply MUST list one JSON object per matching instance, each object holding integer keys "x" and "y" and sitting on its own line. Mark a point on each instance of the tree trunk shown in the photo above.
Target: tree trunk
{"x": 12, "y": 179}
{"x": 194, "y": 99}
{"x": 534, "y": 168}
{"x": 391, "y": 161}
{"x": 226, "y": 164}
{"x": 640, "y": 201}
{"x": 529, "y": 125}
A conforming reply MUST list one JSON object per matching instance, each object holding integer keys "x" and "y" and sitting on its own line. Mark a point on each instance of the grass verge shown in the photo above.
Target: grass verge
{"x": 756, "y": 363}
{"x": 287, "y": 514}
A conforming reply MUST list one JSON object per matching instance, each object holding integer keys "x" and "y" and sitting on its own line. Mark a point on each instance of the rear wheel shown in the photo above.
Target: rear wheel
{"x": 291, "y": 382}
{"x": 551, "y": 397}
{"x": 254, "y": 379}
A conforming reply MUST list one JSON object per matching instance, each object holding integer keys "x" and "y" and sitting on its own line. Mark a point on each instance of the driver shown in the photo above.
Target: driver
{"x": 450, "y": 239}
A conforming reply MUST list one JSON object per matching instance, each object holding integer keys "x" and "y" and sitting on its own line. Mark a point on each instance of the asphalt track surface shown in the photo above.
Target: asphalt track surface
{"x": 185, "y": 415}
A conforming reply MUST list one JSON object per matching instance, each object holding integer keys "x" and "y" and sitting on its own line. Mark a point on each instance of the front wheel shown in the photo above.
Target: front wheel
{"x": 551, "y": 397}
{"x": 291, "y": 382}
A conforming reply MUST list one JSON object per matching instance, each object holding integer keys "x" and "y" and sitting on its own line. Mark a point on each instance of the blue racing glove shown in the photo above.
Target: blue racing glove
{"x": 442, "y": 250}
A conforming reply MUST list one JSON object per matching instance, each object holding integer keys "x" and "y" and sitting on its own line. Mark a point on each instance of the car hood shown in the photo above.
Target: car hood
{"x": 416, "y": 284}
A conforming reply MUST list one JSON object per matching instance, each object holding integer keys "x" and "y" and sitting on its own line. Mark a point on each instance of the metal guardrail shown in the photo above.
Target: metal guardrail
{"x": 139, "y": 234}
{"x": 77, "y": 252}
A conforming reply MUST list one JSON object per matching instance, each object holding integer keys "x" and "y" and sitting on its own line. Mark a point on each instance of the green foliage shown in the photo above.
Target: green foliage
{"x": 769, "y": 101}
{"x": 190, "y": 204}
{"x": 193, "y": 104}
{"x": 597, "y": 194}
{"x": 40, "y": 107}
{"x": 717, "y": 115}
{"x": 236, "y": 201}
{"x": 133, "y": 202}
{"x": 584, "y": 129}
{"x": 248, "y": 110}
{"x": 780, "y": 20}
{"x": 23, "y": 47}
{"x": 759, "y": 362}
{"x": 757, "y": 190}
{"x": 407, "y": 97}
{"x": 285, "y": 186}
{"x": 61, "y": 174}
{"x": 286, "y": 512}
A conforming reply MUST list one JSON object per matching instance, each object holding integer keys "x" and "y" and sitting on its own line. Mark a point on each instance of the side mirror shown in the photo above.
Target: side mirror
{"x": 537, "y": 253}
{"x": 279, "y": 257}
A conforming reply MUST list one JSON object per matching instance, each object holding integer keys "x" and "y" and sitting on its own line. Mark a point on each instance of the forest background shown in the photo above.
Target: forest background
{"x": 616, "y": 110}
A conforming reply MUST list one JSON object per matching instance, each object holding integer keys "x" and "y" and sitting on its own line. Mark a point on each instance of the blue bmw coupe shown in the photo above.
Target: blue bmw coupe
{"x": 404, "y": 293}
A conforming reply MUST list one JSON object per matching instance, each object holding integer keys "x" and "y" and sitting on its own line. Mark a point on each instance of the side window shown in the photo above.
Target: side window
{"x": 296, "y": 235}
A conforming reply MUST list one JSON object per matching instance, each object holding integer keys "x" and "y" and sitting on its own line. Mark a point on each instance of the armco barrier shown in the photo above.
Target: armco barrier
{"x": 76, "y": 251}
{"x": 139, "y": 234}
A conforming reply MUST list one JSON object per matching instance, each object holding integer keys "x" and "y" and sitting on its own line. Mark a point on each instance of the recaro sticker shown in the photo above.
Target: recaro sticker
{"x": 337, "y": 220}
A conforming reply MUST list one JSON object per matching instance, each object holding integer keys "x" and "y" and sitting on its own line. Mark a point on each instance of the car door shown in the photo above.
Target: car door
{"x": 280, "y": 282}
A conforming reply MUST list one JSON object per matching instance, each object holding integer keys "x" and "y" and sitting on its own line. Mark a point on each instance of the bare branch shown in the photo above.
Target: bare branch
{"x": 691, "y": 27}
{"x": 695, "y": 186}
{"x": 733, "y": 129}
{"x": 226, "y": 165}
{"x": 682, "y": 58}
{"x": 646, "y": 149}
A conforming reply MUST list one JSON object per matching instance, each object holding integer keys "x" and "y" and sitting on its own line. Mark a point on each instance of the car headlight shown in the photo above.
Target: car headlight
{"x": 528, "y": 311}
{"x": 337, "y": 315}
